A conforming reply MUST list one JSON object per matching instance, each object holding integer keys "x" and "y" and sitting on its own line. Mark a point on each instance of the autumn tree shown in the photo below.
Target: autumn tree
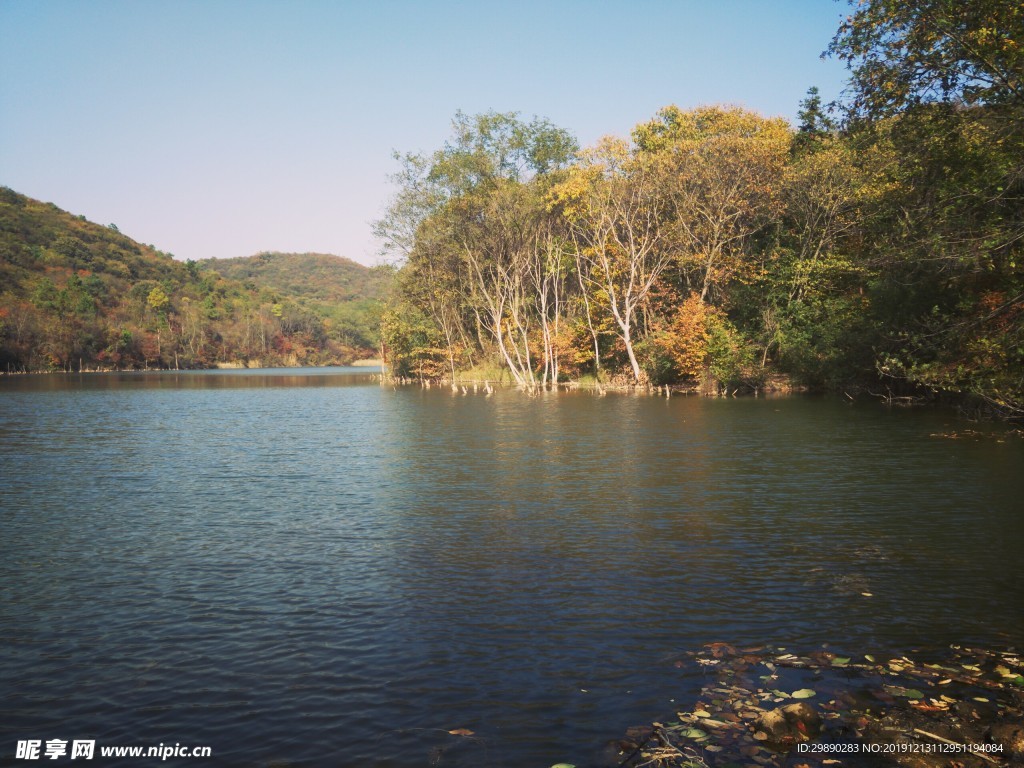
{"x": 617, "y": 217}
{"x": 906, "y": 53}
{"x": 471, "y": 224}
{"x": 720, "y": 172}
{"x": 936, "y": 90}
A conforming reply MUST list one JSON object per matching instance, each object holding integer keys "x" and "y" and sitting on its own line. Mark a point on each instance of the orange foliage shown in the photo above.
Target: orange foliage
{"x": 685, "y": 339}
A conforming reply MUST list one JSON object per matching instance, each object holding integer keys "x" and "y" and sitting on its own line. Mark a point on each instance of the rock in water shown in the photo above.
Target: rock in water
{"x": 790, "y": 724}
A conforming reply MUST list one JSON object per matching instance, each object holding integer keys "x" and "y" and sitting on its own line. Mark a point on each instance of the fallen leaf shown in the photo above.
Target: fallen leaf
{"x": 460, "y": 732}
{"x": 907, "y": 693}
{"x": 761, "y": 736}
{"x": 693, "y": 733}
{"x": 803, "y": 693}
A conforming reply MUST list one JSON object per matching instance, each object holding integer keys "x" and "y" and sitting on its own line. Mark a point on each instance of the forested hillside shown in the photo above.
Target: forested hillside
{"x": 345, "y": 294}
{"x": 876, "y": 247}
{"x": 319, "y": 276}
{"x": 77, "y": 295}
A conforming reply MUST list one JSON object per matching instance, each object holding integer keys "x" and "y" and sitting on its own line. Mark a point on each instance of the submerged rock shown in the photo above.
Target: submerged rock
{"x": 790, "y": 724}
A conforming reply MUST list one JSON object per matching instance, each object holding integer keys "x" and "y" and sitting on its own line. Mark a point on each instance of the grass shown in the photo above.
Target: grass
{"x": 486, "y": 371}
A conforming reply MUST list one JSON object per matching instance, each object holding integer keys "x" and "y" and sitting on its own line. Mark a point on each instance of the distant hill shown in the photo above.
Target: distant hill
{"x": 39, "y": 238}
{"x": 78, "y": 295}
{"x": 321, "y": 277}
{"x": 346, "y": 295}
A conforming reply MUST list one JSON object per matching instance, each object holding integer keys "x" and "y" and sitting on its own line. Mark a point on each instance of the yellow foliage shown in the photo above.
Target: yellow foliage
{"x": 673, "y": 127}
{"x": 720, "y": 171}
{"x": 571, "y": 195}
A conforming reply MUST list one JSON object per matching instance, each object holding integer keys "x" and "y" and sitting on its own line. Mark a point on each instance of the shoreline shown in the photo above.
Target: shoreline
{"x": 775, "y": 387}
{"x": 231, "y": 365}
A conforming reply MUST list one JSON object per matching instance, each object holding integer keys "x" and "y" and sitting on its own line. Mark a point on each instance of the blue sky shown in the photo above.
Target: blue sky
{"x": 217, "y": 128}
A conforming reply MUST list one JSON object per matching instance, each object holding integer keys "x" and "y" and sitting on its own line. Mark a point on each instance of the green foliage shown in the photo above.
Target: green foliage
{"x": 411, "y": 343}
{"x": 731, "y": 358}
{"x": 905, "y": 53}
{"x": 316, "y": 276}
{"x": 493, "y": 146}
{"x": 938, "y": 111}
{"x": 814, "y": 122}
{"x": 346, "y": 297}
{"x": 827, "y": 341}
{"x": 72, "y": 249}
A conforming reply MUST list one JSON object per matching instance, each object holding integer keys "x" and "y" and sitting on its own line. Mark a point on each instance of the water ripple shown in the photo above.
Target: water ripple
{"x": 291, "y": 568}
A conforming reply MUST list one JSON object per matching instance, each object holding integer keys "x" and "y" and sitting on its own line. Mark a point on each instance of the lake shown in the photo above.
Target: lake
{"x": 304, "y": 567}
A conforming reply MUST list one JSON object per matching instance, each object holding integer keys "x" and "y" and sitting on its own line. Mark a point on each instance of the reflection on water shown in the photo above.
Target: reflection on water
{"x": 306, "y": 566}
{"x": 244, "y": 378}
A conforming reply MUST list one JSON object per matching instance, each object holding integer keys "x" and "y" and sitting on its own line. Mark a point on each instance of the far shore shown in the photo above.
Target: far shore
{"x": 229, "y": 365}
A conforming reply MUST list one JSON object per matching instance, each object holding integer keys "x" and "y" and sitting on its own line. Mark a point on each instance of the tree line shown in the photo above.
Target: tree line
{"x": 75, "y": 295}
{"x": 876, "y": 245}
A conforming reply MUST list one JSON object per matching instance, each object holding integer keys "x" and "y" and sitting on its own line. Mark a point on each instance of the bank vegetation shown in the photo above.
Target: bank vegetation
{"x": 876, "y": 246}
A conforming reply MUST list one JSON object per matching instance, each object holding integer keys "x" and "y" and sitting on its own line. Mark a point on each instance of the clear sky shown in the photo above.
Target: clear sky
{"x": 216, "y": 128}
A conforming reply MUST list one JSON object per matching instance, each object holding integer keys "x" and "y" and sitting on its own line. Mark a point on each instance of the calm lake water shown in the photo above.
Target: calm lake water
{"x": 304, "y": 567}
